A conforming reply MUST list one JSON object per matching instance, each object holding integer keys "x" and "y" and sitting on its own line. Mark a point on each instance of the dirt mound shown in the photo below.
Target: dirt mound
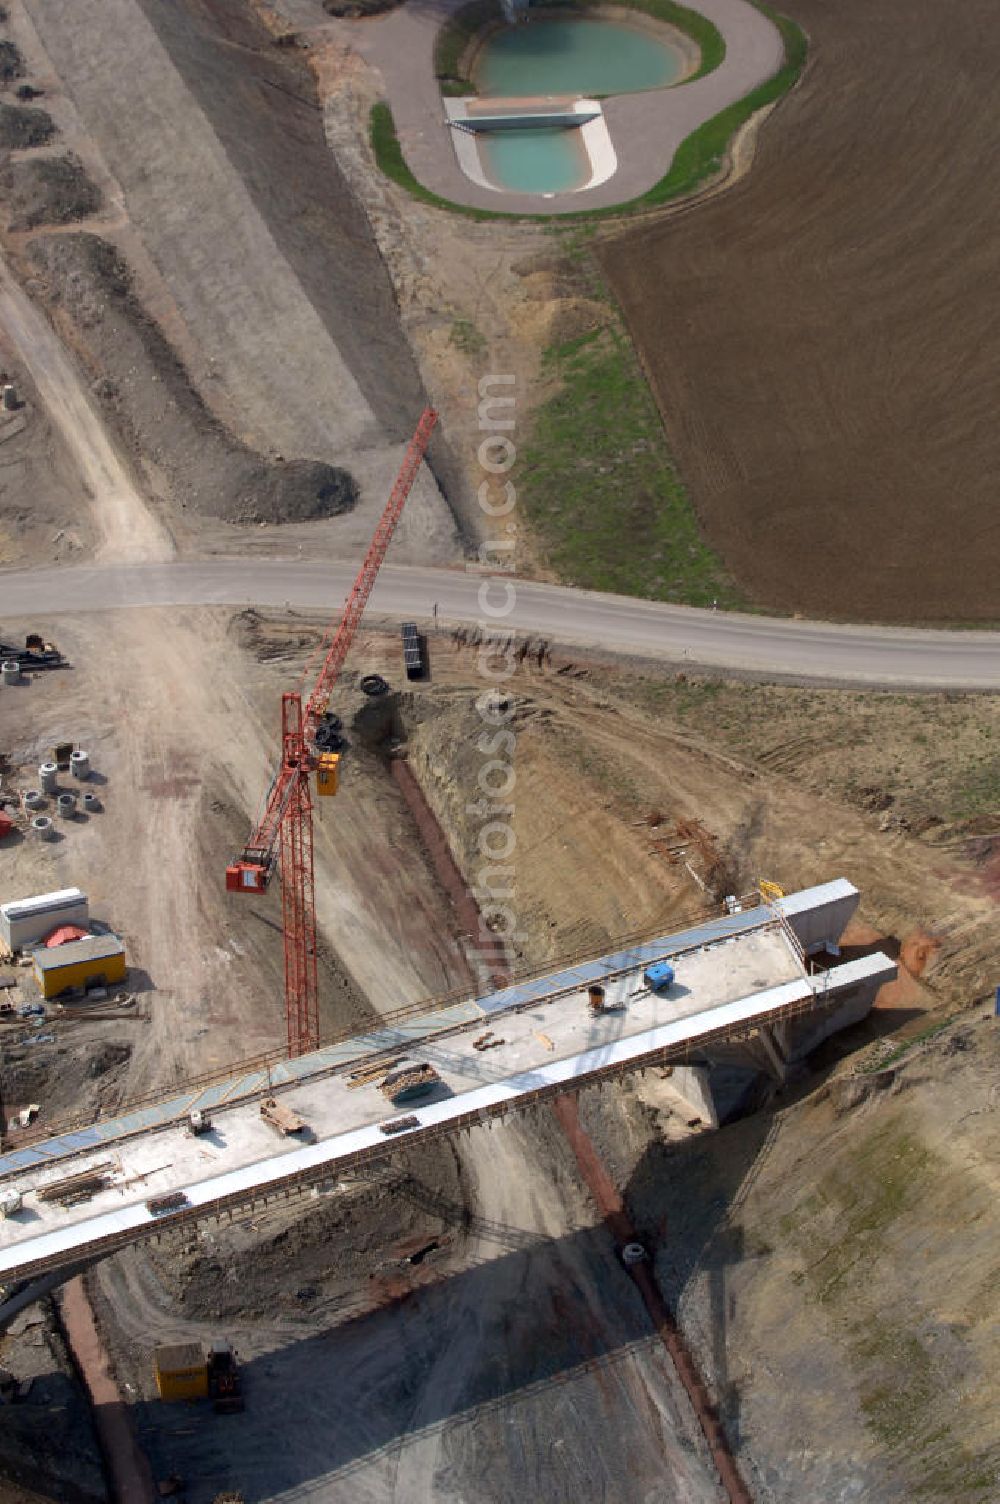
{"x": 817, "y": 338}
{"x": 296, "y": 491}
{"x": 348, "y": 1246}
{"x": 146, "y": 391}
{"x": 557, "y": 320}
{"x": 71, "y": 1077}
{"x": 49, "y": 191}
{"x": 11, "y": 62}
{"x": 21, "y": 126}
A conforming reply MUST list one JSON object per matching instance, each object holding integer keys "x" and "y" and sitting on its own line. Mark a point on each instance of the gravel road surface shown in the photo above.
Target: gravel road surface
{"x": 891, "y": 657}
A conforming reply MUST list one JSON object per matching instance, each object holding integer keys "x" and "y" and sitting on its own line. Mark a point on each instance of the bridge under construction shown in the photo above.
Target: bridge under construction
{"x": 747, "y": 982}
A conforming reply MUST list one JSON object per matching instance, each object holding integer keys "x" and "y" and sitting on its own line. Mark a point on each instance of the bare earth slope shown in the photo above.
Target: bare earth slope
{"x": 216, "y": 139}
{"x": 822, "y": 339}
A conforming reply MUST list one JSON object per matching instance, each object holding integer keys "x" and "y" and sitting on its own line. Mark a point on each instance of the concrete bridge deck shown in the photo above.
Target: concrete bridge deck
{"x": 733, "y": 977}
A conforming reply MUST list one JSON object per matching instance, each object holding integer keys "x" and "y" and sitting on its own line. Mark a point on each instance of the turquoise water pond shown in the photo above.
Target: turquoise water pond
{"x": 577, "y": 57}
{"x": 539, "y": 159}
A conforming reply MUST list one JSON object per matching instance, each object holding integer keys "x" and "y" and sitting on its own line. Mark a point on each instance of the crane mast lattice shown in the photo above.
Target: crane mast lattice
{"x": 284, "y": 830}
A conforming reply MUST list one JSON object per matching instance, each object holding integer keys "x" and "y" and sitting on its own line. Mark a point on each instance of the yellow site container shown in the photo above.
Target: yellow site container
{"x": 327, "y": 765}
{"x": 97, "y": 960}
{"x": 181, "y": 1371}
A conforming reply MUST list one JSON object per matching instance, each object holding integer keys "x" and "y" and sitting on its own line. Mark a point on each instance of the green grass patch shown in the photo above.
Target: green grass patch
{"x": 466, "y": 337}
{"x": 885, "y": 1061}
{"x": 848, "y": 1229}
{"x": 453, "y": 40}
{"x": 457, "y": 34}
{"x": 902, "y": 1402}
{"x": 600, "y": 489}
{"x": 389, "y": 156}
{"x": 853, "y": 1207}
{"x": 701, "y": 155}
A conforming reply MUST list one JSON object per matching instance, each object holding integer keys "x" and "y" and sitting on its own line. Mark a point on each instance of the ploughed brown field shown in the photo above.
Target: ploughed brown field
{"x": 824, "y": 339}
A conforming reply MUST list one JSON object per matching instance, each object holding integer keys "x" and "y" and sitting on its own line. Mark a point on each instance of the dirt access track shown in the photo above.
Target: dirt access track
{"x": 821, "y": 339}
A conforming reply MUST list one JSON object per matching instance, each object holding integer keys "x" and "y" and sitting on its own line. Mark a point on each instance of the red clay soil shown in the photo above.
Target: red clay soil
{"x": 823, "y": 339}
{"x": 612, "y": 1208}
{"x": 916, "y": 953}
{"x": 131, "y": 1478}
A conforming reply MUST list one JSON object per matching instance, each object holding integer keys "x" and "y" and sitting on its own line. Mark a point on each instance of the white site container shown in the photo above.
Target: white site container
{"x": 25, "y": 921}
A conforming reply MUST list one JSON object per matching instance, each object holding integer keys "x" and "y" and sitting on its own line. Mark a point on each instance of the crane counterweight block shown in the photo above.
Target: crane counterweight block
{"x": 247, "y": 877}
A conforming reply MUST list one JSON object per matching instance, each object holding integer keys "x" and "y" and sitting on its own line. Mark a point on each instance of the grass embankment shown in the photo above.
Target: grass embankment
{"x": 599, "y": 487}
{"x": 884, "y": 1195}
{"x": 702, "y": 155}
{"x": 389, "y": 157}
{"x": 456, "y": 35}
{"x": 597, "y": 481}
{"x": 929, "y": 760}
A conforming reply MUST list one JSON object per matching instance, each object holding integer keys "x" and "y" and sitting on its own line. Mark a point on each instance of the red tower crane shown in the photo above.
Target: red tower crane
{"x": 287, "y": 819}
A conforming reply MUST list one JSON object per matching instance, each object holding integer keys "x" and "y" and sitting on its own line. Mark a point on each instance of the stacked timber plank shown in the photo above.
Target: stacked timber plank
{"x": 79, "y": 1187}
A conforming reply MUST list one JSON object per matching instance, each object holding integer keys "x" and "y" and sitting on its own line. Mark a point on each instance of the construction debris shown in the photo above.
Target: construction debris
{"x": 170, "y": 1202}
{"x": 487, "y": 1042}
{"x": 371, "y": 1075}
{"x": 410, "y": 1082}
{"x": 10, "y": 1203}
{"x": 35, "y": 654}
{"x": 283, "y": 1118}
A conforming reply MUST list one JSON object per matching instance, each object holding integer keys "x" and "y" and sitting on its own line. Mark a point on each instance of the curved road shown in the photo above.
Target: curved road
{"x": 890, "y": 657}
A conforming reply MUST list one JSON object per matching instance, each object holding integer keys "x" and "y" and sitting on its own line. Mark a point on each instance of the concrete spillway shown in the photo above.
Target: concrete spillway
{"x": 736, "y": 977}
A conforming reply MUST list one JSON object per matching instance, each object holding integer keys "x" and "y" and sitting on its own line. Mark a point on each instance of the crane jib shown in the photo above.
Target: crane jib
{"x": 287, "y": 819}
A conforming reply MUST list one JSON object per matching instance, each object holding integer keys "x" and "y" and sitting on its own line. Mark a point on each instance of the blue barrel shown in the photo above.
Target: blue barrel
{"x": 659, "y": 976}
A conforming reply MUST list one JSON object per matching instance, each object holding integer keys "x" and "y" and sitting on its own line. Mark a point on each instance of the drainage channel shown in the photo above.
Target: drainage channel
{"x": 612, "y": 1208}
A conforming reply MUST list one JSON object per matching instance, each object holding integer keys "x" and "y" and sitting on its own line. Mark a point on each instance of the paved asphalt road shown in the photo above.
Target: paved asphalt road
{"x": 892, "y": 657}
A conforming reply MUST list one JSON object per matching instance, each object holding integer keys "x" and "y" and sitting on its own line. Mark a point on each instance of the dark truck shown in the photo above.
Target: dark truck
{"x": 36, "y": 653}
{"x": 413, "y": 651}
